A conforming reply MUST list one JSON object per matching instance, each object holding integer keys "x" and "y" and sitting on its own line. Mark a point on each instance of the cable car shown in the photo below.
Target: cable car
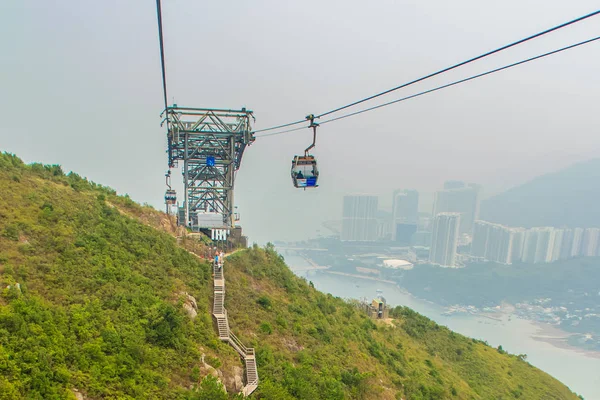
{"x": 170, "y": 196}
{"x": 305, "y": 173}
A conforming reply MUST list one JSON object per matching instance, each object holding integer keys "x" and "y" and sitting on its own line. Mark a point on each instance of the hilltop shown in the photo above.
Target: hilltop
{"x": 564, "y": 198}
{"x": 112, "y": 302}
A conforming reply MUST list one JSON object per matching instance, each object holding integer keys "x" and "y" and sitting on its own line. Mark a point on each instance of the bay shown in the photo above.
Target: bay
{"x": 577, "y": 369}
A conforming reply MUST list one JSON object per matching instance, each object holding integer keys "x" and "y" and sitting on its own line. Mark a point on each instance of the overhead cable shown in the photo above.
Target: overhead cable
{"x": 280, "y": 126}
{"x": 563, "y": 25}
{"x": 162, "y": 53}
{"x": 489, "y": 53}
{"x": 449, "y": 84}
{"x": 286, "y": 131}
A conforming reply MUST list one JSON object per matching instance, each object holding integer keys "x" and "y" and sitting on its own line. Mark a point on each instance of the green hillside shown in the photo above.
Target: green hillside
{"x": 564, "y": 198}
{"x": 99, "y": 312}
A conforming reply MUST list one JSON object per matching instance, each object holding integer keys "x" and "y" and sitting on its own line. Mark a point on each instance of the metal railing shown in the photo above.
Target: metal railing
{"x": 238, "y": 343}
{"x": 220, "y": 311}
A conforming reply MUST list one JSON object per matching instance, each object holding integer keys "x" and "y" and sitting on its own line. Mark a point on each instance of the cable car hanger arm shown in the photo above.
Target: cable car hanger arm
{"x": 314, "y": 126}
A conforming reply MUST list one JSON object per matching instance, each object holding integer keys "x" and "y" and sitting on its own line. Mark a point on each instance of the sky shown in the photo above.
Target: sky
{"x": 80, "y": 86}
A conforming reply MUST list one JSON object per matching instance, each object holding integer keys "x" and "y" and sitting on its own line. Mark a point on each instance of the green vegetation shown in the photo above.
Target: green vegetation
{"x": 323, "y": 347}
{"x": 99, "y": 308}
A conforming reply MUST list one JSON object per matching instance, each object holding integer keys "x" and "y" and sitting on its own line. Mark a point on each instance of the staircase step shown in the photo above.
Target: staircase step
{"x": 220, "y": 315}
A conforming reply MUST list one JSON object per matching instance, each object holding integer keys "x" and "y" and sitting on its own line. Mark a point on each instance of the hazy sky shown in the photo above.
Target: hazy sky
{"x": 80, "y": 86}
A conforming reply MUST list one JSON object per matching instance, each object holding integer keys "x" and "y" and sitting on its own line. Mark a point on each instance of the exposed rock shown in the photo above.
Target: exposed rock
{"x": 210, "y": 369}
{"x": 190, "y": 310}
{"x": 207, "y": 369}
{"x": 190, "y": 306}
{"x": 238, "y": 378}
{"x": 78, "y": 394}
{"x": 235, "y": 381}
{"x": 291, "y": 344}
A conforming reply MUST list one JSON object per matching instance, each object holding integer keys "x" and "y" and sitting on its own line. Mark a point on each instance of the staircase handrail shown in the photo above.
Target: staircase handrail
{"x": 237, "y": 341}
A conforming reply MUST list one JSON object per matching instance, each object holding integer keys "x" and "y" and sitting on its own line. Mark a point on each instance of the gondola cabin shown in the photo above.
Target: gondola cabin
{"x": 171, "y": 197}
{"x": 305, "y": 173}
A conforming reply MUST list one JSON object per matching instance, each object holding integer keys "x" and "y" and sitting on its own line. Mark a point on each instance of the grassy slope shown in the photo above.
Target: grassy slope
{"x": 300, "y": 332}
{"x": 99, "y": 307}
{"x": 100, "y": 311}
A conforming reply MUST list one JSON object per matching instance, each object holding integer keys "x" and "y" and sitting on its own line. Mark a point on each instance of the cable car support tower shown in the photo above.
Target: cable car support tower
{"x": 210, "y": 143}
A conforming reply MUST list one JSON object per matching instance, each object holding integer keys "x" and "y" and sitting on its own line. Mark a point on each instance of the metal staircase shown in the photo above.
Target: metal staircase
{"x": 220, "y": 314}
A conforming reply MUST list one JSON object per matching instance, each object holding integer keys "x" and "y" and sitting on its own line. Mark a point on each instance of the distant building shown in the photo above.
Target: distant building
{"x": 359, "y": 218}
{"x": 425, "y": 222}
{"x": 502, "y": 253}
{"x": 498, "y": 243}
{"x": 577, "y": 242}
{"x": 421, "y": 238}
{"x": 539, "y": 245}
{"x": 405, "y": 215}
{"x": 398, "y": 264}
{"x": 529, "y": 246}
{"x": 589, "y": 243}
{"x": 377, "y": 308}
{"x": 444, "y": 239}
{"x": 384, "y": 225}
{"x": 449, "y": 185}
{"x": 481, "y": 236}
{"x": 518, "y": 243}
{"x": 460, "y": 198}
{"x": 566, "y": 245}
{"x": 545, "y": 246}
{"x": 493, "y": 242}
{"x": 559, "y": 235}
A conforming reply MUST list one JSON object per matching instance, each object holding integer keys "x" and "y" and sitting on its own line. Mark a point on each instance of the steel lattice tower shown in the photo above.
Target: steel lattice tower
{"x": 210, "y": 142}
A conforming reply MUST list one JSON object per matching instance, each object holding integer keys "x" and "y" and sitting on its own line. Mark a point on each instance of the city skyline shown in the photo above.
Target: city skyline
{"x": 507, "y": 245}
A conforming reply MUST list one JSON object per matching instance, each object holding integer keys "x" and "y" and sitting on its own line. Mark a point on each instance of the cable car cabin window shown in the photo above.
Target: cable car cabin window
{"x": 304, "y": 172}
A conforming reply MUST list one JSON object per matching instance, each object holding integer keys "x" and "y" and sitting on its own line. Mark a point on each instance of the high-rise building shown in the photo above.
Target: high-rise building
{"x": 384, "y": 225}
{"x": 359, "y": 218}
{"x": 577, "y": 242}
{"x": 505, "y": 245}
{"x": 518, "y": 243}
{"x": 422, "y": 238}
{"x": 449, "y": 185}
{"x": 460, "y": 198}
{"x": 589, "y": 243}
{"x": 566, "y": 245}
{"x": 545, "y": 246}
{"x": 405, "y": 215}
{"x": 493, "y": 242}
{"x": 481, "y": 235}
{"x": 502, "y": 252}
{"x": 444, "y": 239}
{"x": 539, "y": 245}
{"x": 559, "y": 236}
{"x": 530, "y": 246}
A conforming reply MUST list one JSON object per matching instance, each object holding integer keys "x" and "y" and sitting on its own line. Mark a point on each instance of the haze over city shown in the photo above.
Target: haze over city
{"x": 82, "y": 88}
{"x": 451, "y": 248}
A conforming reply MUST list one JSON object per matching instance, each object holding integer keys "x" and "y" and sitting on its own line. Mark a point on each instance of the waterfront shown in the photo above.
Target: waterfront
{"x": 577, "y": 369}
